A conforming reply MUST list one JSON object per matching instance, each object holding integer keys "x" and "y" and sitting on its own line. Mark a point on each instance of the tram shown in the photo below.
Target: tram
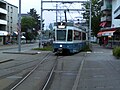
{"x": 69, "y": 38}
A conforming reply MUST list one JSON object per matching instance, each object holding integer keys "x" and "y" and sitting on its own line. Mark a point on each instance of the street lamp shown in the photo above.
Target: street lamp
{"x": 41, "y": 26}
{"x": 90, "y": 21}
{"x": 19, "y": 27}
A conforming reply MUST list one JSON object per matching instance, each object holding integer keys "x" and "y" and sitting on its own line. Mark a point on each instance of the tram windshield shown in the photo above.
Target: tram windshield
{"x": 61, "y": 35}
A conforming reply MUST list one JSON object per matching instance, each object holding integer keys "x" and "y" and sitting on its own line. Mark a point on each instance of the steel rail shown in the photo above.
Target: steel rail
{"x": 23, "y": 79}
{"x": 50, "y": 76}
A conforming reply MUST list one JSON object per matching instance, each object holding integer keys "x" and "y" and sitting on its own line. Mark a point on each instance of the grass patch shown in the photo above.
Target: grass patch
{"x": 86, "y": 48}
{"x": 46, "y": 48}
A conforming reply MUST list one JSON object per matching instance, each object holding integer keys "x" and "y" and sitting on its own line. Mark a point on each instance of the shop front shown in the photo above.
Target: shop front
{"x": 105, "y": 37}
{"x": 3, "y": 37}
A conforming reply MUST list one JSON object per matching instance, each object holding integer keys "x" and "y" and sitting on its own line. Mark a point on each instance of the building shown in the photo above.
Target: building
{"x": 12, "y": 18}
{"x": 8, "y": 21}
{"x": 110, "y": 22}
{"x": 3, "y": 21}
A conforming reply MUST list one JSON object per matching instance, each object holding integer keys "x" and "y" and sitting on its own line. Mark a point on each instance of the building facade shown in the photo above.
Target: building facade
{"x": 12, "y": 18}
{"x": 3, "y": 21}
{"x": 116, "y": 13}
{"x": 110, "y": 22}
{"x": 8, "y": 21}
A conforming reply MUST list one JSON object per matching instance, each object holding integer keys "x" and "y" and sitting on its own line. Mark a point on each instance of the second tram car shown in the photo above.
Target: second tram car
{"x": 69, "y": 38}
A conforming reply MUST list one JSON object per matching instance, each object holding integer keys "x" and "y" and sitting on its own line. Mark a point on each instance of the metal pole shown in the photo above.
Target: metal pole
{"x": 90, "y": 22}
{"x": 19, "y": 27}
{"x": 41, "y": 24}
{"x": 56, "y": 12}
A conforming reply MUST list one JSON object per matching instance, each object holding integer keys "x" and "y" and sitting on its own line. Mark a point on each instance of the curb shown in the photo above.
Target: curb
{"x": 21, "y": 53}
{"x": 3, "y": 61}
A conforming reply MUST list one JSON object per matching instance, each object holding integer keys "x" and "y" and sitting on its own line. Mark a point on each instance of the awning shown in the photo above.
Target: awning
{"x": 99, "y": 34}
{"x": 3, "y": 33}
{"x": 108, "y": 33}
{"x": 23, "y": 37}
{"x": 103, "y": 24}
{"x": 105, "y": 33}
{"x": 15, "y": 33}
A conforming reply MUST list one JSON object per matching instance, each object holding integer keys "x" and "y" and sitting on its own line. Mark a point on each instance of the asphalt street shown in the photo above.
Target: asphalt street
{"x": 100, "y": 69}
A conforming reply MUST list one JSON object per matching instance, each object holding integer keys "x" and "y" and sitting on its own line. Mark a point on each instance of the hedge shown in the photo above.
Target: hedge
{"x": 116, "y": 52}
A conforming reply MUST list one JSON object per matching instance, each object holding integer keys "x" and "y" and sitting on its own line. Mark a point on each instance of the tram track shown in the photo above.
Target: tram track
{"x": 67, "y": 79}
{"x": 48, "y": 74}
{"x": 17, "y": 67}
{"x": 16, "y": 72}
{"x": 47, "y": 79}
{"x": 30, "y": 73}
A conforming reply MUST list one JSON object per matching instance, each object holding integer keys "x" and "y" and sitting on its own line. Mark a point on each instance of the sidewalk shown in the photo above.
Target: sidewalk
{"x": 101, "y": 70}
{"x": 8, "y": 46}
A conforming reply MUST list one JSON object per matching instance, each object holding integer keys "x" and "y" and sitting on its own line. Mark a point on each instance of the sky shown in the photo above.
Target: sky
{"x": 48, "y": 16}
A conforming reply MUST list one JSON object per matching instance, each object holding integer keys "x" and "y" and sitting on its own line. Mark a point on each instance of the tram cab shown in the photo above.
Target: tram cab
{"x": 68, "y": 38}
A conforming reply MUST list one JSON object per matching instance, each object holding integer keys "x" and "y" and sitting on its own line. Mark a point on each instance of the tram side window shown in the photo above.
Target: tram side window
{"x": 84, "y": 36}
{"x": 69, "y": 35}
{"x": 77, "y": 35}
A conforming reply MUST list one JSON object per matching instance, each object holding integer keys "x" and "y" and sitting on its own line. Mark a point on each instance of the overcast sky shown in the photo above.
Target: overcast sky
{"x": 49, "y": 17}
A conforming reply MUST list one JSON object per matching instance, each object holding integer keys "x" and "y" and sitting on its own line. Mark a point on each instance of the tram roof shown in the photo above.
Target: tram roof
{"x": 71, "y": 25}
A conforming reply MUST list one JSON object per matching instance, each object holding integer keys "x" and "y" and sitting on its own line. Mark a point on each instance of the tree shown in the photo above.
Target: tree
{"x": 36, "y": 16}
{"x": 27, "y": 22}
{"x": 27, "y": 25}
{"x": 95, "y": 17}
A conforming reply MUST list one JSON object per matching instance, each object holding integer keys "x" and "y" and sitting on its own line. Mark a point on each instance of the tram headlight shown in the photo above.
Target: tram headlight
{"x": 60, "y": 45}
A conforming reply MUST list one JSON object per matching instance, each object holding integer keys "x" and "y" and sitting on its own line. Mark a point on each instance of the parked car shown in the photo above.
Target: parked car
{"x": 46, "y": 41}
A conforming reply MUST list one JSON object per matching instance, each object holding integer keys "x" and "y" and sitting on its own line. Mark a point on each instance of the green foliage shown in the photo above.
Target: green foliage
{"x": 116, "y": 52}
{"x": 27, "y": 22}
{"x": 96, "y": 15}
{"x": 33, "y": 13}
{"x": 86, "y": 48}
{"x": 46, "y": 48}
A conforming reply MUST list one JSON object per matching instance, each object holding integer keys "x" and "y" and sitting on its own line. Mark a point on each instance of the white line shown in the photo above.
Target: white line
{"x": 78, "y": 76}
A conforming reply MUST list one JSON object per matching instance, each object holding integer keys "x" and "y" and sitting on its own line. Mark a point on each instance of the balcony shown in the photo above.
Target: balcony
{"x": 106, "y": 18}
{"x": 3, "y": 22}
{"x": 117, "y": 13}
{"x": 3, "y": 11}
{"x": 3, "y": 33}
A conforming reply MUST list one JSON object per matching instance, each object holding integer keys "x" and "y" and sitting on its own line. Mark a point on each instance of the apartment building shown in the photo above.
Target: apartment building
{"x": 8, "y": 21}
{"x": 110, "y": 22}
{"x": 3, "y": 21}
{"x": 116, "y": 13}
{"x": 12, "y": 18}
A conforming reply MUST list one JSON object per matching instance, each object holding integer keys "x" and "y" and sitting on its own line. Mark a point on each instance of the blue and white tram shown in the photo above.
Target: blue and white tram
{"x": 69, "y": 38}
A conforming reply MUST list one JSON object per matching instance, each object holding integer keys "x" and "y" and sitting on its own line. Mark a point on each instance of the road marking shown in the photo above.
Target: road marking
{"x": 78, "y": 76}
{"x": 97, "y": 52}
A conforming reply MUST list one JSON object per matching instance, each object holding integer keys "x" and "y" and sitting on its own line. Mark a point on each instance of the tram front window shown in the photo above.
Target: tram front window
{"x": 61, "y": 35}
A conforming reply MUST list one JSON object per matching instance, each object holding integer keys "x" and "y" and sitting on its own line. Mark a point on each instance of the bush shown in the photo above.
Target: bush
{"x": 116, "y": 52}
{"x": 46, "y": 48}
{"x": 86, "y": 48}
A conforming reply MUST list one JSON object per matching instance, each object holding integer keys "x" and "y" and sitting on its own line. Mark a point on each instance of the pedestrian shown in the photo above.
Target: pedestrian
{"x": 100, "y": 41}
